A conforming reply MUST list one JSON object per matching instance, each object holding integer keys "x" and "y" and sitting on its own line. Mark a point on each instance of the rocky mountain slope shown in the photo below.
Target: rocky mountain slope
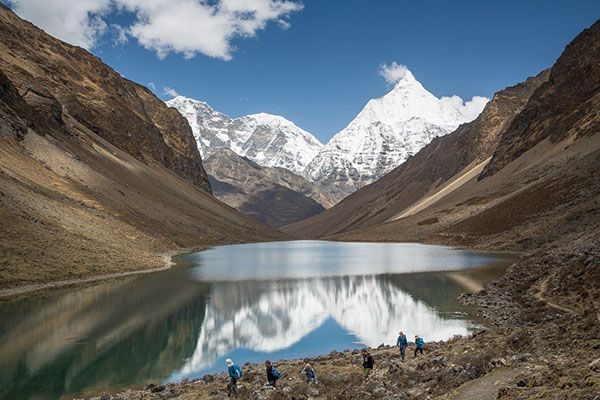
{"x": 568, "y": 104}
{"x": 268, "y": 140}
{"x": 385, "y": 133}
{"x": 522, "y": 175}
{"x": 97, "y": 175}
{"x": 271, "y": 195}
{"x": 427, "y": 171}
{"x": 50, "y": 73}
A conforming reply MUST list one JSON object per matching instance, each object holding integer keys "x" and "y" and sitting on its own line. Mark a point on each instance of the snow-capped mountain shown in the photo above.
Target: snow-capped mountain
{"x": 268, "y": 140}
{"x": 385, "y": 133}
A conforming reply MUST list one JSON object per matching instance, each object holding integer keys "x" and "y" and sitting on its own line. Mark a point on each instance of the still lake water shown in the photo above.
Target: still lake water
{"x": 245, "y": 302}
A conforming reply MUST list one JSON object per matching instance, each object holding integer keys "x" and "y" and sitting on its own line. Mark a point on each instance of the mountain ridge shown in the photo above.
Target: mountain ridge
{"x": 385, "y": 133}
{"x": 272, "y": 195}
{"x": 433, "y": 165}
{"x": 267, "y": 139}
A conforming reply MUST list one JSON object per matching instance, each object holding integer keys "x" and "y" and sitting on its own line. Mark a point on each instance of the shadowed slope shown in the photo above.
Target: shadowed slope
{"x": 97, "y": 175}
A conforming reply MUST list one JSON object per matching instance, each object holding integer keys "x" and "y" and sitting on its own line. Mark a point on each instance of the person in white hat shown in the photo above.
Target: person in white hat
{"x": 235, "y": 373}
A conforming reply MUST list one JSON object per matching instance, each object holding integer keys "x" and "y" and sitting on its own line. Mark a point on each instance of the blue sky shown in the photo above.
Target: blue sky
{"x": 317, "y": 62}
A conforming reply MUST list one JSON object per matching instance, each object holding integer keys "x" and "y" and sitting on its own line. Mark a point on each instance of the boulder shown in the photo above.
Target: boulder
{"x": 157, "y": 389}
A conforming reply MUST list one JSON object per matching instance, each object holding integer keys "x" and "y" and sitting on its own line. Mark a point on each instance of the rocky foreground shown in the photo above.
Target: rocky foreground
{"x": 544, "y": 343}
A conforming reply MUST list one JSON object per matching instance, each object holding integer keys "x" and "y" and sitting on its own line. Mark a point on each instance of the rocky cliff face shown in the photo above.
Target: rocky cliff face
{"x": 271, "y": 195}
{"x": 50, "y": 73}
{"x": 268, "y": 140}
{"x": 568, "y": 104}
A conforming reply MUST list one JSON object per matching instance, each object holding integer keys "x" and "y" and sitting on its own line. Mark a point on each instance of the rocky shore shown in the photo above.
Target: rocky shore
{"x": 544, "y": 343}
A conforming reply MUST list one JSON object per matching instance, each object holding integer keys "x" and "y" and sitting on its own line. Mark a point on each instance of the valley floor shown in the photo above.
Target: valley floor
{"x": 544, "y": 344}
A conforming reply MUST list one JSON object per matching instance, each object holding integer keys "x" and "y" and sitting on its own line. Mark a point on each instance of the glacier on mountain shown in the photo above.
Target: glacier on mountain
{"x": 385, "y": 133}
{"x": 382, "y": 136}
{"x": 268, "y": 140}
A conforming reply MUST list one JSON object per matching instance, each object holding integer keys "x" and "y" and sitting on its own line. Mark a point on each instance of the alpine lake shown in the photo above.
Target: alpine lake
{"x": 250, "y": 302}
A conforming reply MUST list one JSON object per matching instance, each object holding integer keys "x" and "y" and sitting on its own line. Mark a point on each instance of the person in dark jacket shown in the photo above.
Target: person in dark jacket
{"x": 235, "y": 373}
{"x": 419, "y": 345}
{"x": 311, "y": 374}
{"x": 272, "y": 374}
{"x": 367, "y": 363}
{"x": 402, "y": 343}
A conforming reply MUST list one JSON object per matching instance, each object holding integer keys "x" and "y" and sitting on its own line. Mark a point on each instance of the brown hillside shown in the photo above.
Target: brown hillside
{"x": 426, "y": 172}
{"x": 124, "y": 113}
{"x": 97, "y": 175}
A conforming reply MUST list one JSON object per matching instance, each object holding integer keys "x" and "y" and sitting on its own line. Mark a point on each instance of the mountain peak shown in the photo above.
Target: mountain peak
{"x": 179, "y": 99}
{"x": 407, "y": 77}
{"x": 266, "y": 139}
{"x": 386, "y": 132}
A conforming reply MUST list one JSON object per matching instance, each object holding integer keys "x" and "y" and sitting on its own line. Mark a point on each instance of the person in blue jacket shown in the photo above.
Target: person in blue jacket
{"x": 402, "y": 343}
{"x": 272, "y": 374}
{"x": 235, "y": 373}
{"x": 419, "y": 345}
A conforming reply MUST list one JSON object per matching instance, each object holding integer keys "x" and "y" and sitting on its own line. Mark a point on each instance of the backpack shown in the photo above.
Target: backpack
{"x": 275, "y": 374}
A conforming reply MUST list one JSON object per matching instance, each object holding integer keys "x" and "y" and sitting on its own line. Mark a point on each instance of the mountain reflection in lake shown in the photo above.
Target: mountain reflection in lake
{"x": 185, "y": 322}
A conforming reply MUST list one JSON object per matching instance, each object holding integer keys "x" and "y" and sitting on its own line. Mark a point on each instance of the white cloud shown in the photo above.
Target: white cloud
{"x": 77, "y": 22}
{"x": 471, "y": 108}
{"x": 393, "y": 72}
{"x": 169, "y": 91}
{"x": 284, "y": 24}
{"x": 188, "y": 27}
{"x": 152, "y": 86}
{"x": 121, "y": 34}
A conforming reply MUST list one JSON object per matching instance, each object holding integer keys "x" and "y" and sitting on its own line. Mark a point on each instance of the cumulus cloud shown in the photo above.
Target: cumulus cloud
{"x": 188, "y": 27}
{"x": 169, "y": 91}
{"x": 152, "y": 86}
{"x": 77, "y": 22}
{"x": 393, "y": 72}
{"x": 470, "y": 109}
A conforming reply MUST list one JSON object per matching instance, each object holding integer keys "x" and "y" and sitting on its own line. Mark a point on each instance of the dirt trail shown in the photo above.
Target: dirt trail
{"x": 539, "y": 295}
{"x": 486, "y": 387}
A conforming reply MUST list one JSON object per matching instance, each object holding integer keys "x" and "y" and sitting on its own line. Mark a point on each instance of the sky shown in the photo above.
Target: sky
{"x": 315, "y": 62}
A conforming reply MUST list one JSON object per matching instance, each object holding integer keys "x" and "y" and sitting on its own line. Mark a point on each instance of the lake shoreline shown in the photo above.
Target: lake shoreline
{"x": 169, "y": 263}
{"x": 167, "y": 258}
{"x": 510, "y": 360}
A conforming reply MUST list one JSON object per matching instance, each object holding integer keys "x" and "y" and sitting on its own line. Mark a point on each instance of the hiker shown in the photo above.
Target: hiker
{"x": 402, "y": 343}
{"x": 367, "y": 362}
{"x": 235, "y": 373}
{"x": 311, "y": 374}
{"x": 272, "y": 374}
{"x": 419, "y": 345}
